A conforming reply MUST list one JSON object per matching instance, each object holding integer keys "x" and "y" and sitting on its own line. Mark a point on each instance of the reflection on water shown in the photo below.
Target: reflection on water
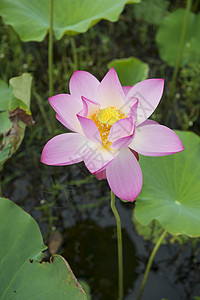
{"x": 92, "y": 253}
{"x": 84, "y": 218}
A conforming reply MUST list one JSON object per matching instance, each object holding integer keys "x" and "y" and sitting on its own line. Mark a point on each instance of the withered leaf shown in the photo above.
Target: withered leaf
{"x": 21, "y": 115}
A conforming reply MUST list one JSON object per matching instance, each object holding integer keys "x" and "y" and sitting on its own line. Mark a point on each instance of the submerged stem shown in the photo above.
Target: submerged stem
{"x": 50, "y": 63}
{"x": 150, "y": 261}
{"x": 119, "y": 243}
{"x": 178, "y": 61}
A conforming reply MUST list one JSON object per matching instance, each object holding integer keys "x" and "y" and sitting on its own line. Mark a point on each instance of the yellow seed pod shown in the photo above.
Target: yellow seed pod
{"x": 108, "y": 116}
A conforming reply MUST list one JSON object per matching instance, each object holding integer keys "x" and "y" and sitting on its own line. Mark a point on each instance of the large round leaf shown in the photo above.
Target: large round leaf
{"x": 169, "y": 35}
{"x": 22, "y": 275}
{"x": 171, "y": 189}
{"x": 30, "y": 18}
{"x": 130, "y": 70}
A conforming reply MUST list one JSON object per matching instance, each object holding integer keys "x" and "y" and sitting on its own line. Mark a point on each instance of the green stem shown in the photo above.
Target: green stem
{"x": 50, "y": 63}
{"x": 119, "y": 243}
{"x": 42, "y": 110}
{"x": 150, "y": 261}
{"x": 178, "y": 61}
{"x": 74, "y": 53}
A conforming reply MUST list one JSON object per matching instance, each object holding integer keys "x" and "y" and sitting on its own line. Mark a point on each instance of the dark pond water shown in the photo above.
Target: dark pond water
{"x": 84, "y": 218}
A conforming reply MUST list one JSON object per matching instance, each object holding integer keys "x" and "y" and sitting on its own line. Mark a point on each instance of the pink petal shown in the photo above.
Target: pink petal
{"x": 122, "y": 133}
{"x": 89, "y": 107}
{"x": 133, "y": 109}
{"x": 149, "y": 93}
{"x": 90, "y": 129}
{"x": 67, "y": 107}
{"x": 121, "y": 128}
{"x": 110, "y": 92}
{"x": 126, "y": 89}
{"x": 148, "y": 122}
{"x": 62, "y": 121}
{"x": 156, "y": 140}
{"x": 83, "y": 84}
{"x": 101, "y": 175}
{"x": 97, "y": 157}
{"x": 130, "y": 106}
{"x": 124, "y": 176}
{"x": 123, "y": 142}
{"x": 64, "y": 149}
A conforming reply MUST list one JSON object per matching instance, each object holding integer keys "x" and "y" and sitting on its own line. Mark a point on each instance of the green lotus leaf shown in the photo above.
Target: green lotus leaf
{"x": 151, "y": 11}
{"x": 14, "y": 113}
{"x": 17, "y": 103}
{"x": 130, "y": 70}
{"x": 5, "y": 124}
{"x": 30, "y": 19}
{"x": 21, "y": 86}
{"x": 169, "y": 35}
{"x": 4, "y": 153}
{"x": 86, "y": 288}
{"x": 153, "y": 231}
{"x": 171, "y": 190}
{"x": 5, "y": 95}
{"x": 23, "y": 275}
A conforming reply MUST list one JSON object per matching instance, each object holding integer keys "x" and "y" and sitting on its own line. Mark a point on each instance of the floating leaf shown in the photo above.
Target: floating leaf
{"x": 169, "y": 35}
{"x": 153, "y": 231}
{"x": 15, "y": 113}
{"x": 86, "y": 288}
{"x": 151, "y": 11}
{"x": 31, "y": 20}
{"x": 130, "y": 70}
{"x": 22, "y": 272}
{"x": 171, "y": 191}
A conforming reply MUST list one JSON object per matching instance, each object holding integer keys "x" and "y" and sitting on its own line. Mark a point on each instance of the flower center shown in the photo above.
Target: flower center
{"x": 104, "y": 119}
{"x": 108, "y": 116}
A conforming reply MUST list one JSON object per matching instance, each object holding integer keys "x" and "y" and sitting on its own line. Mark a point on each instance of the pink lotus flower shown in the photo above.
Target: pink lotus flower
{"x": 110, "y": 127}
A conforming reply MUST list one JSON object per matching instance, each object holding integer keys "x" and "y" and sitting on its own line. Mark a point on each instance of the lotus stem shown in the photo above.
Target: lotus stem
{"x": 50, "y": 63}
{"x": 150, "y": 261}
{"x": 42, "y": 110}
{"x": 183, "y": 33}
{"x": 119, "y": 244}
{"x": 74, "y": 53}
